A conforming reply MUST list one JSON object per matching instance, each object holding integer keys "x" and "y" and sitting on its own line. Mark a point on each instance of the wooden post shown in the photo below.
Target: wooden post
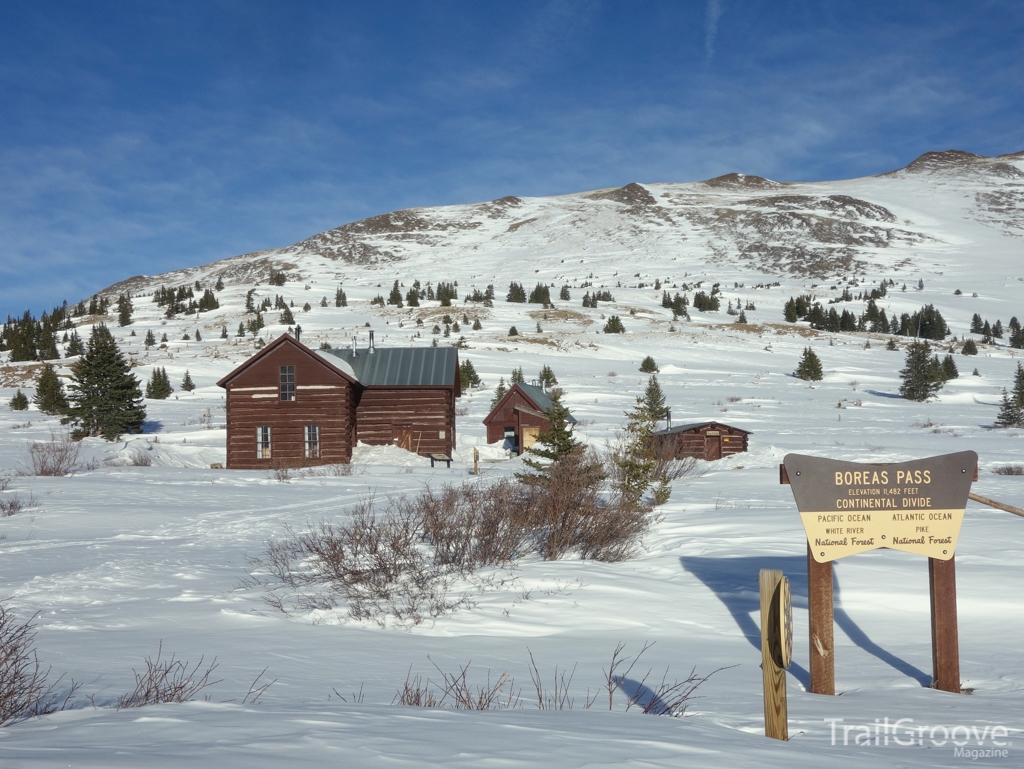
{"x": 476, "y": 461}
{"x": 945, "y": 636}
{"x": 776, "y": 713}
{"x": 820, "y": 624}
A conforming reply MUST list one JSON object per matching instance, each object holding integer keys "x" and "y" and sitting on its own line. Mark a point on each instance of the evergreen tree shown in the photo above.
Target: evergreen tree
{"x": 513, "y": 331}
{"x": 547, "y": 377}
{"x": 809, "y": 368}
{"x": 649, "y": 366}
{"x": 552, "y": 446}
{"x": 124, "y": 310}
{"x": 105, "y": 399}
{"x": 219, "y": 285}
{"x": 635, "y": 458}
{"x": 223, "y": 332}
{"x": 75, "y": 346}
{"x": 921, "y": 373}
{"x": 159, "y": 385}
{"x": 1011, "y": 413}
{"x": 412, "y": 298}
{"x": 743, "y": 318}
{"x": 1018, "y": 386}
{"x": 187, "y": 385}
{"x": 476, "y": 324}
{"x": 467, "y": 375}
{"x": 19, "y": 402}
{"x": 340, "y": 300}
{"x": 395, "y": 297}
{"x": 50, "y": 397}
{"x": 499, "y": 392}
{"x": 654, "y": 400}
{"x": 163, "y": 338}
{"x": 516, "y": 293}
{"x": 150, "y": 340}
{"x": 789, "y": 311}
{"x": 976, "y": 326}
{"x": 517, "y": 376}
{"x": 199, "y": 336}
{"x": 970, "y": 348}
{"x": 287, "y": 319}
{"x": 241, "y": 329}
{"x": 949, "y": 369}
{"x": 541, "y": 294}
{"x": 891, "y": 345}
{"x": 564, "y": 294}
{"x": 614, "y": 325}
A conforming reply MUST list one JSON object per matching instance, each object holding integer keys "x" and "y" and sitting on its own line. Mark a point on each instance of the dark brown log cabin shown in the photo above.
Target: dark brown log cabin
{"x": 290, "y": 406}
{"x": 703, "y": 440}
{"x": 518, "y": 418}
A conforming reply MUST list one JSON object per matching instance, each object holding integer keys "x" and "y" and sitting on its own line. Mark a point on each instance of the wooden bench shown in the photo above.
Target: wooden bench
{"x": 440, "y": 458}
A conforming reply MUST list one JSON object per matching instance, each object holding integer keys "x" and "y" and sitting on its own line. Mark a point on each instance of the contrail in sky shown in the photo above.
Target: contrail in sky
{"x": 711, "y": 28}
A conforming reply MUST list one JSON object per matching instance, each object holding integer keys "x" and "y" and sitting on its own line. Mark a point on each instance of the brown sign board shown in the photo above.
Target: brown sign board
{"x": 849, "y": 507}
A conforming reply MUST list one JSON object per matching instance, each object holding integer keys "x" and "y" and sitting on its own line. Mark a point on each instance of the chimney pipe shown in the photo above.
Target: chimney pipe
{"x": 668, "y": 418}
{"x": 298, "y": 333}
{"x": 355, "y": 351}
{"x": 371, "y": 351}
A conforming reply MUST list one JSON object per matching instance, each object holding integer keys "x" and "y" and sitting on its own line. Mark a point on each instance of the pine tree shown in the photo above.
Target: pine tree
{"x": 50, "y": 397}
{"x": 1018, "y": 386}
{"x": 547, "y": 377}
{"x": 499, "y": 392}
{"x": 241, "y": 329}
{"x": 920, "y": 374}
{"x": 809, "y": 368}
{"x": 287, "y": 319}
{"x": 513, "y": 331}
{"x": 75, "y": 346}
{"x": 551, "y": 446}
{"x": 649, "y": 366}
{"x": 516, "y": 293}
{"x": 635, "y": 457}
{"x": 105, "y": 399}
{"x": 743, "y": 318}
{"x": 1011, "y": 413}
{"x": 476, "y": 324}
{"x": 949, "y": 369}
{"x": 340, "y": 300}
{"x": 564, "y": 294}
{"x": 187, "y": 385}
{"x": 614, "y": 325}
{"x": 970, "y": 348}
{"x": 159, "y": 385}
{"x": 467, "y": 375}
{"x": 124, "y": 310}
{"x": 223, "y": 332}
{"x": 517, "y": 376}
{"x": 653, "y": 400}
{"x": 19, "y": 402}
{"x": 789, "y": 311}
{"x": 395, "y": 297}
{"x": 199, "y": 336}
{"x": 219, "y": 285}
{"x": 150, "y": 340}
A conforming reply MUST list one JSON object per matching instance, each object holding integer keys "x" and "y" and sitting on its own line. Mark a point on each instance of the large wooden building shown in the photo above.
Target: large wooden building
{"x": 703, "y": 440}
{"x": 290, "y": 406}
{"x": 518, "y": 418}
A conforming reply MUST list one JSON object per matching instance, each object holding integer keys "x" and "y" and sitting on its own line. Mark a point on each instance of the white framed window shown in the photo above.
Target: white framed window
{"x": 263, "y": 442}
{"x": 312, "y": 441}
{"x": 287, "y": 383}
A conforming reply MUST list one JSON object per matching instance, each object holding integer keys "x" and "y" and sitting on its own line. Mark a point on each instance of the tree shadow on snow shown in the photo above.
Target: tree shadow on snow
{"x": 734, "y": 581}
{"x": 881, "y": 394}
{"x": 153, "y": 426}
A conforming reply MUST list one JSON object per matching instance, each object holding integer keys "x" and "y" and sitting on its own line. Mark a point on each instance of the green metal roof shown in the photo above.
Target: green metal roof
{"x": 402, "y": 366}
{"x": 541, "y": 397}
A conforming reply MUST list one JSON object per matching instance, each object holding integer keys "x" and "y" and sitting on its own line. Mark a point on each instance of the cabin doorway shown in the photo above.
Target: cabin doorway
{"x": 401, "y": 436}
{"x": 712, "y": 447}
{"x": 530, "y": 436}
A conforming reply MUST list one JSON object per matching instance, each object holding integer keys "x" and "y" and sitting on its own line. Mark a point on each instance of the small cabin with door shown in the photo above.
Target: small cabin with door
{"x": 290, "y": 406}
{"x": 518, "y": 418}
{"x": 703, "y": 440}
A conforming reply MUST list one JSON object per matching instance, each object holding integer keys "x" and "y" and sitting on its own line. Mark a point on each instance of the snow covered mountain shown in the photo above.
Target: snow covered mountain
{"x": 932, "y": 217}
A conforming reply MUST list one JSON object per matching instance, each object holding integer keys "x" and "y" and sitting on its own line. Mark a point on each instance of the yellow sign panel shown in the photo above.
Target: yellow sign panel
{"x": 849, "y": 508}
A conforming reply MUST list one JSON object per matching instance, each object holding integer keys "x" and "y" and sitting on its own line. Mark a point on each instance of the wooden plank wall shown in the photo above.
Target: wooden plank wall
{"x": 496, "y": 421}
{"x": 322, "y": 398}
{"x": 429, "y": 413}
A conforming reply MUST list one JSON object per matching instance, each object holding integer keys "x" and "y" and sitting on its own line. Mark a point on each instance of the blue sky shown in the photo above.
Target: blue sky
{"x": 139, "y": 137}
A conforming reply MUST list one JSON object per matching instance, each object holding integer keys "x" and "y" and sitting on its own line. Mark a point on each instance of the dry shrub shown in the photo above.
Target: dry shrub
{"x": 170, "y": 680}
{"x": 56, "y": 456}
{"x": 140, "y": 458}
{"x": 455, "y": 690}
{"x": 1009, "y": 470}
{"x": 396, "y": 563}
{"x": 24, "y": 691}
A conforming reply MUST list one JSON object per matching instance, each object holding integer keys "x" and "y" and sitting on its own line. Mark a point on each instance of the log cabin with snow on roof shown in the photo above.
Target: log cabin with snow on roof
{"x": 290, "y": 406}
{"x": 518, "y": 418}
{"x": 702, "y": 440}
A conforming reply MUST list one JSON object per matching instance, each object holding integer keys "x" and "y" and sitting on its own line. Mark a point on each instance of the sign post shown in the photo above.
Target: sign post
{"x": 849, "y": 508}
{"x": 776, "y": 650}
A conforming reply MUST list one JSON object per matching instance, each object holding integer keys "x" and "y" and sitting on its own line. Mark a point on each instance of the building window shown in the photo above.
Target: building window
{"x": 312, "y": 442}
{"x": 263, "y": 442}
{"x": 287, "y": 383}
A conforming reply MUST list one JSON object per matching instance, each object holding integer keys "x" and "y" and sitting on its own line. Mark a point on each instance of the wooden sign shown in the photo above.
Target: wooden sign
{"x": 848, "y": 507}
{"x": 776, "y": 650}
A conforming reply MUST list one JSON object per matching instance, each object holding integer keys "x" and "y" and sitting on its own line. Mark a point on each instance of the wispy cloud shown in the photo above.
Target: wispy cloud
{"x": 713, "y": 13}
